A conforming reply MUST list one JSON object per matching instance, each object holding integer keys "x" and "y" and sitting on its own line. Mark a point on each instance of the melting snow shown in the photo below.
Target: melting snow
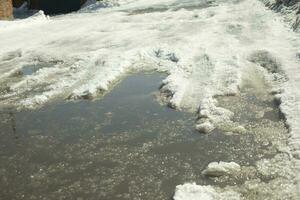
{"x": 204, "y": 51}
{"x": 191, "y": 191}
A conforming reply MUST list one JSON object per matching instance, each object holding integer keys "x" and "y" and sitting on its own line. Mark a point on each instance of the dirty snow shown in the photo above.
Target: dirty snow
{"x": 289, "y": 9}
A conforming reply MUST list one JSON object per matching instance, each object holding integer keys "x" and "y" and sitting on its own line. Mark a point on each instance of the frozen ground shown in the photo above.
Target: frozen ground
{"x": 207, "y": 48}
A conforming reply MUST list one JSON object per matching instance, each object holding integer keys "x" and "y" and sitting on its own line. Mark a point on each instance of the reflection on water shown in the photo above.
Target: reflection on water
{"x": 124, "y": 146}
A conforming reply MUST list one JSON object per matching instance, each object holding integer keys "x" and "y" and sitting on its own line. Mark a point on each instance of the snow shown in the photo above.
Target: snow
{"x": 289, "y": 9}
{"x": 204, "y": 51}
{"x": 118, "y": 46}
{"x": 221, "y": 168}
{"x": 205, "y": 127}
{"x": 191, "y": 191}
{"x": 94, "y": 5}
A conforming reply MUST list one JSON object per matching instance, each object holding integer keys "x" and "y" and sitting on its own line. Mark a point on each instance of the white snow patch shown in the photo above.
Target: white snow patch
{"x": 221, "y": 168}
{"x": 191, "y": 191}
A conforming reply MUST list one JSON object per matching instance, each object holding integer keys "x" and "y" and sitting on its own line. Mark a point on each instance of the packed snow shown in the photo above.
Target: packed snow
{"x": 204, "y": 46}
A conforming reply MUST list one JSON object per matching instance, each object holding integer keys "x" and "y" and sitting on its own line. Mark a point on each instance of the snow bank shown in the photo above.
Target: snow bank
{"x": 36, "y": 19}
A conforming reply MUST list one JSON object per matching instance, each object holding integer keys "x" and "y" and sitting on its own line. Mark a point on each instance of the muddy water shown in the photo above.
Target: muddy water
{"x": 123, "y": 146}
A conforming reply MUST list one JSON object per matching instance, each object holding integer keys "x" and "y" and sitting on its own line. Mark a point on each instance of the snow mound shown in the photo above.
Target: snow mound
{"x": 221, "y": 168}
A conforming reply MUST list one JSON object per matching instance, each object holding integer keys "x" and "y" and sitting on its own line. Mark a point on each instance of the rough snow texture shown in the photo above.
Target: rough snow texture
{"x": 191, "y": 191}
{"x": 204, "y": 46}
{"x": 94, "y": 5}
{"x": 221, "y": 168}
{"x": 289, "y": 8}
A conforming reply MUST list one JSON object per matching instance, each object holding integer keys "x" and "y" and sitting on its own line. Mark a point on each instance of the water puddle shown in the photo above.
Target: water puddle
{"x": 29, "y": 69}
{"x": 123, "y": 146}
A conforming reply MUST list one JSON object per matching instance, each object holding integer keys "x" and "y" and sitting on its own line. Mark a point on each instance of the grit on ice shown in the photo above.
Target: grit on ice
{"x": 204, "y": 47}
